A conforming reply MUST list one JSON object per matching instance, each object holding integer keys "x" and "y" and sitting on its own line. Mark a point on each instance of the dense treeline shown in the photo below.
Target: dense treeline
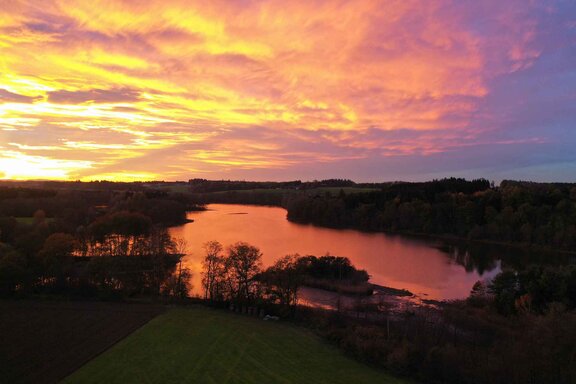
{"x": 519, "y": 212}
{"x": 271, "y": 197}
{"x": 104, "y": 243}
{"x": 203, "y": 185}
{"x": 94, "y": 185}
{"x": 330, "y": 268}
{"x": 71, "y": 208}
{"x": 519, "y": 329}
{"x": 119, "y": 254}
{"x": 207, "y": 186}
{"x": 333, "y": 273}
{"x": 12, "y": 193}
{"x": 268, "y": 193}
{"x": 534, "y": 290}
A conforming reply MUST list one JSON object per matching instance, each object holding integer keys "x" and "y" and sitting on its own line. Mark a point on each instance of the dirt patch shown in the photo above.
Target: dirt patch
{"x": 43, "y": 342}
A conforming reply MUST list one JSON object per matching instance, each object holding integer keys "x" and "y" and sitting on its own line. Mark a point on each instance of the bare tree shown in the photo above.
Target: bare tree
{"x": 214, "y": 270}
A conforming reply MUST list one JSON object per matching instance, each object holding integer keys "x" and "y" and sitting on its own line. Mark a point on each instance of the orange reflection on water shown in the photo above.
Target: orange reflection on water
{"x": 393, "y": 261}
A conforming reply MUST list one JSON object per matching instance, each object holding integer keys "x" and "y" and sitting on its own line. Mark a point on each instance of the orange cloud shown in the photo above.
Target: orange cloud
{"x": 119, "y": 81}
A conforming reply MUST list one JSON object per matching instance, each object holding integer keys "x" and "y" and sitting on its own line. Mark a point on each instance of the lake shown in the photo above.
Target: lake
{"x": 425, "y": 267}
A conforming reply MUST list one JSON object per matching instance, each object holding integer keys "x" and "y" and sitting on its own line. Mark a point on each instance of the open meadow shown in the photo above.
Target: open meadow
{"x": 200, "y": 345}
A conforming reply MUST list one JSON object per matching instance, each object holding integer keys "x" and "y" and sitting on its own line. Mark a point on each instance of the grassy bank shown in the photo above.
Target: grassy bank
{"x": 199, "y": 345}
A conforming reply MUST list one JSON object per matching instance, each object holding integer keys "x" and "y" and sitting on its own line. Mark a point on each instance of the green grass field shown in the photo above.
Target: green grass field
{"x": 200, "y": 345}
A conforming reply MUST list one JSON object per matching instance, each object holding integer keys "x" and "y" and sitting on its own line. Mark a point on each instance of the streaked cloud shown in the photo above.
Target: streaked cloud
{"x": 363, "y": 89}
{"x": 94, "y": 96}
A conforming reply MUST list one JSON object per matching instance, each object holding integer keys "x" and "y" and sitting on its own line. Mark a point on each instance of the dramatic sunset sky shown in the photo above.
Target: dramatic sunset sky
{"x": 269, "y": 90}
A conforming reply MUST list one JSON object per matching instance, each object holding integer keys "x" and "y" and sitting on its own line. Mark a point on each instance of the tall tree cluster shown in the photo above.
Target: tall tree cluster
{"x": 232, "y": 276}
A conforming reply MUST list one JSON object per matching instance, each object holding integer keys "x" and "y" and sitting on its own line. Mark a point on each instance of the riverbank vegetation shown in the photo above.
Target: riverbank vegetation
{"x": 235, "y": 276}
{"x": 89, "y": 243}
{"x": 518, "y": 328}
{"x": 461, "y": 344}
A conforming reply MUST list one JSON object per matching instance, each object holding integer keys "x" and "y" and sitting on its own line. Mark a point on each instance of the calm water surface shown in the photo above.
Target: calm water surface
{"x": 423, "y": 267}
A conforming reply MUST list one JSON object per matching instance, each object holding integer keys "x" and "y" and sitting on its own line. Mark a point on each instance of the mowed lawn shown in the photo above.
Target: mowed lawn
{"x": 202, "y": 345}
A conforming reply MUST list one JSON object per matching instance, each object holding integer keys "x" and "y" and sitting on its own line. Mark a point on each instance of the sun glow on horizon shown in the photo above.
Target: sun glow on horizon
{"x": 261, "y": 90}
{"x": 18, "y": 166}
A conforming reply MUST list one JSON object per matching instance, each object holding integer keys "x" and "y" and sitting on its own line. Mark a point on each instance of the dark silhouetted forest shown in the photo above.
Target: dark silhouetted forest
{"x": 90, "y": 242}
{"x": 515, "y": 212}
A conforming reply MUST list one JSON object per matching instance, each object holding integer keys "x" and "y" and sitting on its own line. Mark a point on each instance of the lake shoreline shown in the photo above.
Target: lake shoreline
{"x": 446, "y": 237}
{"x": 400, "y": 264}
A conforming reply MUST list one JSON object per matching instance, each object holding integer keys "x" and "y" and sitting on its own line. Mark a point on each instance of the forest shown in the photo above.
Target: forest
{"x": 101, "y": 243}
{"x": 515, "y": 212}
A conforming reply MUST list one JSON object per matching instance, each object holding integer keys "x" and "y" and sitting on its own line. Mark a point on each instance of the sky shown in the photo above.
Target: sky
{"x": 280, "y": 90}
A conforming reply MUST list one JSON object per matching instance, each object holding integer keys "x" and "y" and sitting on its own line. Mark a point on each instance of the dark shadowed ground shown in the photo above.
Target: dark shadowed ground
{"x": 42, "y": 342}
